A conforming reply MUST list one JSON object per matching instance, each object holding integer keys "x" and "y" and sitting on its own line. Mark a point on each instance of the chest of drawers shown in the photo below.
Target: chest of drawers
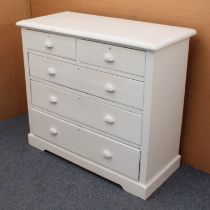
{"x": 107, "y": 94}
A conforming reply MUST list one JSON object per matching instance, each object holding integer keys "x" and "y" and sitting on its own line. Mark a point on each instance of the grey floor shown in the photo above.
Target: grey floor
{"x": 31, "y": 179}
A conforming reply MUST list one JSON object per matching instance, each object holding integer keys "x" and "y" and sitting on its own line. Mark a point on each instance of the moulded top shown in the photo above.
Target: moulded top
{"x": 129, "y": 33}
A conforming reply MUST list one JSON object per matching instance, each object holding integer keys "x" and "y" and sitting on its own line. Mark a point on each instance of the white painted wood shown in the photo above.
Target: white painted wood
{"x": 85, "y": 65}
{"x": 111, "y": 87}
{"x": 51, "y": 44}
{"x": 100, "y": 100}
{"x": 27, "y": 76}
{"x": 95, "y": 147}
{"x": 114, "y": 121}
{"x": 130, "y": 33}
{"x": 136, "y": 188}
{"x": 111, "y": 99}
{"x": 112, "y": 57}
{"x": 164, "y": 99}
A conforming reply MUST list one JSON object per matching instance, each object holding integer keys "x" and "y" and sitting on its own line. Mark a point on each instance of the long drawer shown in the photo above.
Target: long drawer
{"x": 97, "y": 148}
{"x": 111, "y": 120}
{"x": 50, "y": 43}
{"x": 118, "y": 58}
{"x": 114, "y": 88}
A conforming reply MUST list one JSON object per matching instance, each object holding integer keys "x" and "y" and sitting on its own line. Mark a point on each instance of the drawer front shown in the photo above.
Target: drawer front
{"x": 97, "y": 148}
{"x": 118, "y": 58}
{"x": 50, "y": 43}
{"x": 114, "y": 88}
{"x": 111, "y": 120}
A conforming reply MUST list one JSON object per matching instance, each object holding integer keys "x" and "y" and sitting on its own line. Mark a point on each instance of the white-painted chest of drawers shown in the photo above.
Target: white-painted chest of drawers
{"x": 107, "y": 94}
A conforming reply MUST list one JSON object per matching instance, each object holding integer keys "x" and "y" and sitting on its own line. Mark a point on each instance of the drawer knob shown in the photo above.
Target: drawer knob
{"x": 48, "y": 44}
{"x": 51, "y": 71}
{"x": 53, "y": 99}
{"x": 107, "y": 154}
{"x": 109, "y": 88}
{"x": 53, "y": 131}
{"x": 108, "y": 57}
{"x": 109, "y": 119}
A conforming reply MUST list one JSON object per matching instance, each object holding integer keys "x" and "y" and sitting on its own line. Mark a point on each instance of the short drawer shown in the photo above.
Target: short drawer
{"x": 111, "y": 120}
{"x": 118, "y": 58}
{"x": 97, "y": 148}
{"x": 50, "y": 43}
{"x": 118, "y": 89}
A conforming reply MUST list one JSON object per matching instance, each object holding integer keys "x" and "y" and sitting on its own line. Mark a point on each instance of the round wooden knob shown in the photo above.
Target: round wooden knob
{"x": 108, "y": 57}
{"x": 109, "y": 88}
{"x": 109, "y": 119}
{"x": 53, "y": 99}
{"x": 53, "y": 131}
{"x": 48, "y": 44}
{"x": 51, "y": 71}
{"x": 107, "y": 154}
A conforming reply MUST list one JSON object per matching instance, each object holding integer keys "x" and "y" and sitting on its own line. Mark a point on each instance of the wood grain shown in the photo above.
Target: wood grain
{"x": 12, "y": 85}
{"x": 195, "y": 142}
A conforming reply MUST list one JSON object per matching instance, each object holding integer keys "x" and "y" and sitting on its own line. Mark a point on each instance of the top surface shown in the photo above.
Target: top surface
{"x": 131, "y": 33}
